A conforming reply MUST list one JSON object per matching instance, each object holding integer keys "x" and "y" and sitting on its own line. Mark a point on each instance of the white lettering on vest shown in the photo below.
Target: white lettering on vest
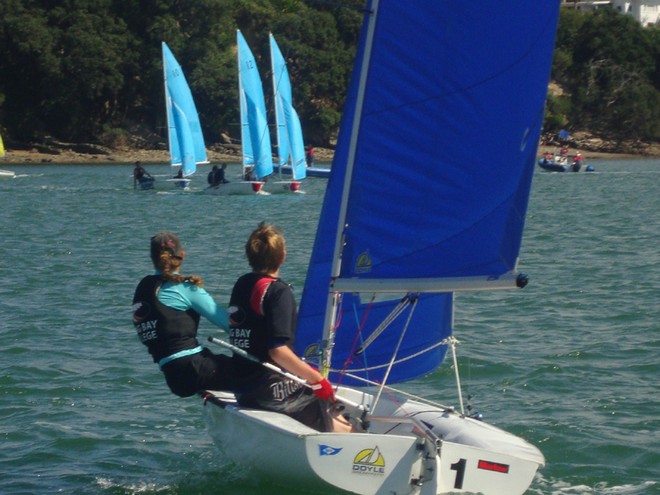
{"x": 147, "y": 330}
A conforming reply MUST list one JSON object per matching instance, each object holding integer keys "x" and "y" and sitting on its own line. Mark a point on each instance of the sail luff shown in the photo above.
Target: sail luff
{"x": 280, "y": 130}
{"x": 246, "y": 145}
{"x": 182, "y": 118}
{"x": 332, "y": 303}
{"x": 173, "y": 145}
{"x": 290, "y": 143}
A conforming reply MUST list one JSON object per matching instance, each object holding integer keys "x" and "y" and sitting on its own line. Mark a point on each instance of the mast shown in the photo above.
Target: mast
{"x": 168, "y": 103}
{"x": 276, "y": 93}
{"x": 333, "y": 297}
{"x": 241, "y": 102}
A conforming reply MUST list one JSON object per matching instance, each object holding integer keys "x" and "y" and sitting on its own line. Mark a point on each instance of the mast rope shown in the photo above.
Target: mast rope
{"x": 358, "y": 336}
{"x": 398, "y": 346}
{"x": 394, "y": 314}
{"x": 449, "y": 340}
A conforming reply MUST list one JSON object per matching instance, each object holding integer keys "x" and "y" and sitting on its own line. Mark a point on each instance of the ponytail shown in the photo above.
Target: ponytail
{"x": 168, "y": 264}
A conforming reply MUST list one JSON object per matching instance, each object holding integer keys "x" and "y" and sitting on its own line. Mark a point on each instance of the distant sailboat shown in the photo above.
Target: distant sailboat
{"x": 290, "y": 143}
{"x": 257, "y": 158}
{"x": 5, "y": 174}
{"x": 416, "y": 210}
{"x": 186, "y": 141}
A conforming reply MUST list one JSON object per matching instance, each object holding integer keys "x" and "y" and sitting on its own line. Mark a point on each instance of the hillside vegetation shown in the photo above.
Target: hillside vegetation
{"x": 91, "y": 72}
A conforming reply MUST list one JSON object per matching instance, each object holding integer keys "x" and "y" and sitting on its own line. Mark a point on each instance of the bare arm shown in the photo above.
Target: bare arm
{"x": 287, "y": 359}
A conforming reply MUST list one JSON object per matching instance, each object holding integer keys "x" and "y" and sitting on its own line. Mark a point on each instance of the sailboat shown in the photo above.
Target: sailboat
{"x": 5, "y": 174}
{"x": 257, "y": 158}
{"x": 416, "y": 210}
{"x": 290, "y": 143}
{"x": 184, "y": 132}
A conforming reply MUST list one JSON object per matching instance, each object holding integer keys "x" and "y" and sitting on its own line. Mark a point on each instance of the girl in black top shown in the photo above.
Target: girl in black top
{"x": 263, "y": 321}
{"x": 166, "y": 311}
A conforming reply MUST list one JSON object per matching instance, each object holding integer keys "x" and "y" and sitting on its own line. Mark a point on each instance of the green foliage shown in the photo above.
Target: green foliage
{"x": 558, "y": 109}
{"x": 610, "y": 67}
{"x": 81, "y": 68}
{"x": 84, "y": 69}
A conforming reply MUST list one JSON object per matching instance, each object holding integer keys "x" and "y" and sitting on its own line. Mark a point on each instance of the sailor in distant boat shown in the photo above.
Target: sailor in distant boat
{"x": 217, "y": 175}
{"x": 166, "y": 311}
{"x": 263, "y": 320}
{"x": 547, "y": 159}
{"x": 309, "y": 156}
{"x": 249, "y": 174}
{"x": 140, "y": 175}
{"x": 577, "y": 162}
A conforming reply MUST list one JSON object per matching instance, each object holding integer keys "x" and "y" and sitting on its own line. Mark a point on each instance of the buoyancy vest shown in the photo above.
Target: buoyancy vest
{"x": 249, "y": 329}
{"x": 164, "y": 330}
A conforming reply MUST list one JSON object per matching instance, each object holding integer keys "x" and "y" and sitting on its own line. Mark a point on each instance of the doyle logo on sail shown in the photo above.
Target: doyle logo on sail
{"x": 363, "y": 264}
{"x": 312, "y": 352}
{"x": 369, "y": 461}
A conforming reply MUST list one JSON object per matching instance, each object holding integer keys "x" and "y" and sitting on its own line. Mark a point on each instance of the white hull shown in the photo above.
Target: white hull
{"x": 183, "y": 184}
{"x": 7, "y": 174}
{"x": 283, "y": 187}
{"x": 456, "y": 454}
{"x": 237, "y": 188}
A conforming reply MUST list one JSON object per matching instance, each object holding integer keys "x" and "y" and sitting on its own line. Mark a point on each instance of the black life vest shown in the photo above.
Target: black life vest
{"x": 248, "y": 326}
{"x": 164, "y": 330}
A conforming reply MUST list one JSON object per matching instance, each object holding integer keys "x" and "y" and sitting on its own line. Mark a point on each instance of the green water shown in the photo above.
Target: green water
{"x": 570, "y": 363}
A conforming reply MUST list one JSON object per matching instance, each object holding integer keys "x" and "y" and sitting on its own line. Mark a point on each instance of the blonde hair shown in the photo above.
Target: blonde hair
{"x": 265, "y": 248}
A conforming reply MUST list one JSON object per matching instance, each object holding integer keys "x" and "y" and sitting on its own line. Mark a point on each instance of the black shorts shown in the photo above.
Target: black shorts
{"x": 202, "y": 371}
{"x": 275, "y": 393}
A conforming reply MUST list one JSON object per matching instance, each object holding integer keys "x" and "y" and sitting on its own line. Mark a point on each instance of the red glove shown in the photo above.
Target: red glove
{"x": 323, "y": 390}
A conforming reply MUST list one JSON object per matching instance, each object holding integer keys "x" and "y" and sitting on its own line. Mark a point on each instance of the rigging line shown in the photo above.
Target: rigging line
{"x": 392, "y": 390}
{"x": 396, "y": 351}
{"x": 446, "y": 341}
{"x": 394, "y": 314}
{"x": 358, "y": 335}
{"x": 458, "y": 377}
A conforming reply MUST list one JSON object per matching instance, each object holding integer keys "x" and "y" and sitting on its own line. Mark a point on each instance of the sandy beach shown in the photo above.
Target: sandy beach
{"x": 122, "y": 157}
{"x": 129, "y": 156}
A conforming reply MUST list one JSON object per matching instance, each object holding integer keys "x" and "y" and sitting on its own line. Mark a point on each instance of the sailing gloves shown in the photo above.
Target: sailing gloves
{"x": 323, "y": 390}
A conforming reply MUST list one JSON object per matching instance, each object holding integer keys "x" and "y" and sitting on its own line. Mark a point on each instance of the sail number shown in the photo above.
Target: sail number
{"x": 459, "y": 467}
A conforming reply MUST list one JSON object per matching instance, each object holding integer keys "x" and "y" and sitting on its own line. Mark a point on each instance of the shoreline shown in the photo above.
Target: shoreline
{"x": 151, "y": 157}
{"x": 123, "y": 157}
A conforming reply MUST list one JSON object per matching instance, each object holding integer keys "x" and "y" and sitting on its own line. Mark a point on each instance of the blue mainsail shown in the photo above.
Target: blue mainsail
{"x": 255, "y": 135}
{"x": 187, "y": 148}
{"x": 431, "y": 178}
{"x": 290, "y": 143}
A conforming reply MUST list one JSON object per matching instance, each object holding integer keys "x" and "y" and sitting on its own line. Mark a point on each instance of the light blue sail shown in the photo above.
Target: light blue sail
{"x": 296, "y": 142}
{"x": 290, "y": 143}
{"x": 430, "y": 181}
{"x": 255, "y": 135}
{"x": 186, "y": 140}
